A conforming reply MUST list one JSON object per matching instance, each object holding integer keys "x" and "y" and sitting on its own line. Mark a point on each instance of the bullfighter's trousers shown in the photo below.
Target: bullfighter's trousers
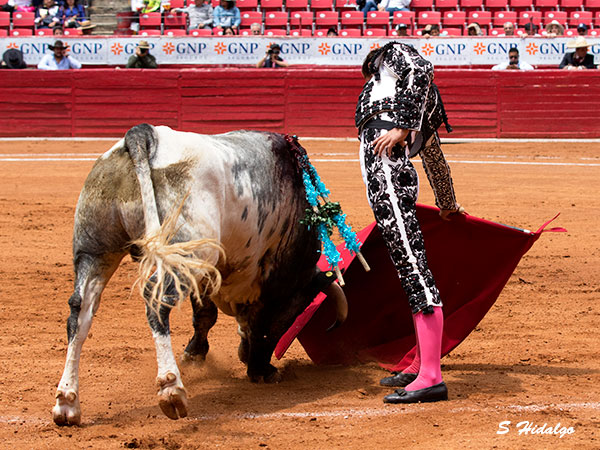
{"x": 392, "y": 188}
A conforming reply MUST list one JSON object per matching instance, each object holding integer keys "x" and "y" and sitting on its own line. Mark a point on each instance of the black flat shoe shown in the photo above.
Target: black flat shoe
{"x": 398, "y": 379}
{"x": 434, "y": 393}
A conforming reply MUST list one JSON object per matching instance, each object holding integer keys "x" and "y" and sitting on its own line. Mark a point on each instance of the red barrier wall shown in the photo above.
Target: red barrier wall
{"x": 306, "y": 101}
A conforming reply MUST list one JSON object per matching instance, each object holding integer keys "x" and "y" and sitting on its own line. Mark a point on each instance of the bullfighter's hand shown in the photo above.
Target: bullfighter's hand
{"x": 445, "y": 213}
{"x": 385, "y": 143}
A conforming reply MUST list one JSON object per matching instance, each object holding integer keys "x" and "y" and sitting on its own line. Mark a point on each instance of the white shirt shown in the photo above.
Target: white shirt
{"x": 522, "y": 65}
{"x": 400, "y": 4}
{"x": 48, "y": 62}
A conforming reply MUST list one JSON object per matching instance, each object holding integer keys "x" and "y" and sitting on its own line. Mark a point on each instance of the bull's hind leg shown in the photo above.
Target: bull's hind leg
{"x": 205, "y": 316}
{"x": 91, "y": 275}
{"x": 172, "y": 397}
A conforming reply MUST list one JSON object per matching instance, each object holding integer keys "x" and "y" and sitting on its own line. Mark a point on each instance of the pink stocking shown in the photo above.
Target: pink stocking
{"x": 415, "y": 365}
{"x": 429, "y": 329}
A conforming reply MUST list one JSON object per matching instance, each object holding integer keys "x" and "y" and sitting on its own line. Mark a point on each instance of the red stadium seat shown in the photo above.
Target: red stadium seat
{"x": 421, "y": 5}
{"x": 72, "y": 32}
{"x": 375, "y": 32}
{"x": 149, "y": 32}
{"x": 594, "y": 33}
{"x": 471, "y": 5}
{"x": 454, "y": 19}
{"x": 530, "y": 16}
{"x": 429, "y": 17}
{"x": 4, "y": 20}
{"x": 23, "y": 20}
{"x": 352, "y": 19}
{"x": 150, "y": 20}
{"x": 521, "y": 5}
{"x": 21, "y": 32}
{"x": 320, "y": 5}
{"x": 351, "y": 32}
{"x": 247, "y": 5}
{"x": 496, "y": 5}
{"x": 175, "y": 20}
{"x": 271, "y": 5}
{"x": 561, "y": 16}
{"x": 296, "y": 5}
{"x": 451, "y": 32}
{"x": 501, "y": 17}
{"x": 175, "y": 32}
{"x": 325, "y": 19}
{"x": 577, "y": 17}
{"x": 201, "y": 32}
{"x": 302, "y": 19}
{"x": 446, "y": 5}
{"x": 177, "y": 3}
{"x": 3, "y": 32}
{"x": 483, "y": 18}
{"x": 592, "y": 5}
{"x": 405, "y": 17}
{"x": 571, "y": 5}
{"x": 276, "y": 19}
{"x": 597, "y": 19}
{"x": 302, "y": 32}
{"x": 394, "y": 33}
{"x": 378, "y": 19}
{"x": 345, "y": 5}
{"x": 571, "y": 32}
{"x": 250, "y": 17}
{"x": 496, "y": 32}
{"x": 43, "y": 32}
{"x": 546, "y": 5}
{"x": 276, "y": 32}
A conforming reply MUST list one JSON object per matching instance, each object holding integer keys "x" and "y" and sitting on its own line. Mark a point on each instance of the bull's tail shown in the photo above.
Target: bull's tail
{"x": 164, "y": 264}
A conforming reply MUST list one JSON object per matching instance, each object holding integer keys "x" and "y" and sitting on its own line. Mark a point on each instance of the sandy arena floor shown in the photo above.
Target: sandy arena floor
{"x": 533, "y": 358}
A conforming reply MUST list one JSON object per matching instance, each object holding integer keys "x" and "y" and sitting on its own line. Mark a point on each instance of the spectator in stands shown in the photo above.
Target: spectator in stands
{"x": 554, "y": 29}
{"x": 17, "y": 5}
{"x": 200, "y": 14}
{"x": 142, "y": 58}
{"x": 71, "y": 14}
{"x": 367, "y": 5}
{"x": 255, "y": 29}
{"x": 580, "y": 58}
{"x": 473, "y": 29}
{"x": 13, "y": 59}
{"x": 513, "y": 62}
{"x": 582, "y": 29}
{"x": 531, "y": 30}
{"x": 87, "y": 27}
{"x": 59, "y": 59}
{"x": 401, "y": 29}
{"x": 332, "y": 32}
{"x": 57, "y": 31}
{"x": 228, "y": 31}
{"x": 227, "y": 15}
{"x": 150, "y": 6}
{"x": 432, "y": 30}
{"x": 272, "y": 60}
{"x": 47, "y": 15}
{"x": 392, "y": 6}
{"x": 509, "y": 29}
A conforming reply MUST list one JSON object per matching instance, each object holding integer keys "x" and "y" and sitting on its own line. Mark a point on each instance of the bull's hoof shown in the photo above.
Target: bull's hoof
{"x": 269, "y": 375}
{"x": 67, "y": 410}
{"x": 274, "y": 377}
{"x": 188, "y": 358}
{"x": 172, "y": 397}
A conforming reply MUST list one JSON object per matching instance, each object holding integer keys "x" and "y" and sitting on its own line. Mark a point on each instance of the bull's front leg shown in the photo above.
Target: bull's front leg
{"x": 172, "y": 397}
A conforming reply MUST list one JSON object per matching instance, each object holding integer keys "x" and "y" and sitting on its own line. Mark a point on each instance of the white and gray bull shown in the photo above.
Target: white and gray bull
{"x": 235, "y": 243}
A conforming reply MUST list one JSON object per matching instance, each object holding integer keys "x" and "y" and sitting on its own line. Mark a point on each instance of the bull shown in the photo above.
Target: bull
{"x": 234, "y": 243}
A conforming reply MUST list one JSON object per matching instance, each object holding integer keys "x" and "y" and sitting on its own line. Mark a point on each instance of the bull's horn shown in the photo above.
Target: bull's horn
{"x": 336, "y": 293}
{"x": 363, "y": 261}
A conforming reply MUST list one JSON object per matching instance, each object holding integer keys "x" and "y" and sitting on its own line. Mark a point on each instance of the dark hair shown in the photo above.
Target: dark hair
{"x": 368, "y": 67}
{"x": 513, "y": 50}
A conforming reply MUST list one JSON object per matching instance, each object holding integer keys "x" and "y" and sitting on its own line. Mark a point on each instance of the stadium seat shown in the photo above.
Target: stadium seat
{"x": 250, "y": 17}
{"x": 345, "y": 5}
{"x": 276, "y": 19}
{"x": 571, "y": 5}
{"x": 296, "y": 5}
{"x": 174, "y": 20}
{"x": 326, "y": 19}
{"x": 43, "y": 32}
{"x": 149, "y": 32}
{"x": 471, "y": 5}
{"x": 3, "y": 32}
{"x": 276, "y": 32}
{"x": 496, "y": 32}
{"x": 175, "y": 32}
{"x": 72, "y": 32}
{"x": 201, "y": 32}
{"x": 302, "y": 19}
{"x": 483, "y": 18}
{"x": 247, "y": 5}
{"x": 451, "y": 32}
{"x": 378, "y": 19}
{"x": 150, "y": 20}
{"x": 405, "y": 17}
{"x": 4, "y": 20}
{"x": 429, "y": 18}
{"x": 375, "y": 32}
{"x": 177, "y": 3}
{"x": 530, "y": 16}
{"x": 454, "y": 19}
{"x": 549, "y": 16}
{"x": 501, "y": 17}
{"x": 421, "y": 5}
{"x": 594, "y": 33}
{"x": 546, "y": 5}
{"x": 351, "y": 32}
{"x": 521, "y": 5}
{"x": 21, "y": 32}
{"x": 597, "y": 19}
{"x": 394, "y": 33}
{"x": 592, "y": 5}
{"x": 320, "y": 5}
{"x": 577, "y": 17}
{"x": 352, "y": 19}
{"x": 271, "y": 5}
{"x": 23, "y": 20}
{"x": 302, "y": 32}
{"x": 446, "y": 5}
{"x": 496, "y": 5}
{"x": 571, "y": 32}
